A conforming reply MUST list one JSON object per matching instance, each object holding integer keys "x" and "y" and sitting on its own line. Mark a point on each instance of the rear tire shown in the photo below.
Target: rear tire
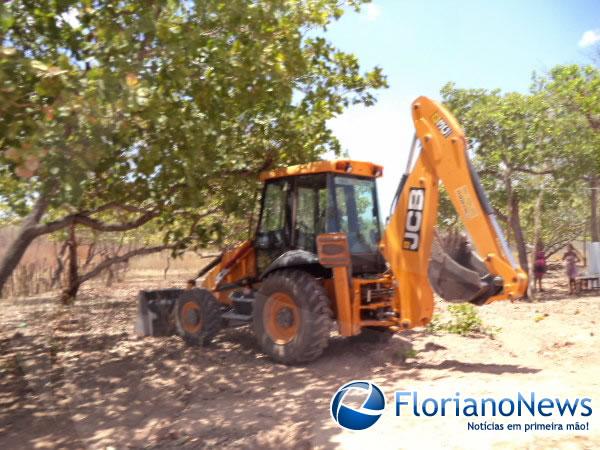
{"x": 197, "y": 316}
{"x": 292, "y": 317}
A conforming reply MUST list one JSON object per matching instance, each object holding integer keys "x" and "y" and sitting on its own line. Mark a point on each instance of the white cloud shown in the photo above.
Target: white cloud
{"x": 371, "y": 11}
{"x": 590, "y": 37}
{"x": 381, "y": 134}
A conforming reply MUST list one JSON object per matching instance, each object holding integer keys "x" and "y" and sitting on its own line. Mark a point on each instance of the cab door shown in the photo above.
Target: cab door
{"x": 311, "y": 211}
{"x": 273, "y": 236}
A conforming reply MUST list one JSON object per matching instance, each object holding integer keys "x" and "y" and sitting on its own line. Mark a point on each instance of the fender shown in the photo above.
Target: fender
{"x": 292, "y": 258}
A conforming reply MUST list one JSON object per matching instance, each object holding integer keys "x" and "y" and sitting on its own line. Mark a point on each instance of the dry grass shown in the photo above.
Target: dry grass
{"x": 42, "y": 249}
{"x": 29, "y": 279}
{"x": 36, "y": 272}
{"x": 163, "y": 261}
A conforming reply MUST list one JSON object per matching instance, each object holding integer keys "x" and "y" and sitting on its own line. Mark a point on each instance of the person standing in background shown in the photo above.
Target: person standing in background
{"x": 539, "y": 266}
{"x": 571, "y": 259}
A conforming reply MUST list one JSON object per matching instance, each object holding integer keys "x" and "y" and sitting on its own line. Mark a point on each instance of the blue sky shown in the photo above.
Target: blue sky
{"x": 421, "y": 45}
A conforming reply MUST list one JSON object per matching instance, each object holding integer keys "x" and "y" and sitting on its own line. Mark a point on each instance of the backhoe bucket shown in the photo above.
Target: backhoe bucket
{"x": 456, "y": 273}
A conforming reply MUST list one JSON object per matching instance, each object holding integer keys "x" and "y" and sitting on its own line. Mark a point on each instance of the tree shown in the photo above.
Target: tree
{"x": 577, "y": 89}
{"x": 118, "y": 115}
{"x": 531, "y": 152}
{"x": 505, "y": 141}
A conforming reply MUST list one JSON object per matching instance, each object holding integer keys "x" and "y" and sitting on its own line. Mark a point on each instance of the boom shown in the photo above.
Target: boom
{"x": 409, "y": 235}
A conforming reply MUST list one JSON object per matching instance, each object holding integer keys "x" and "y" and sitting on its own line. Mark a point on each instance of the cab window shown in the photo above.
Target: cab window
{"x": 311, "y": 210}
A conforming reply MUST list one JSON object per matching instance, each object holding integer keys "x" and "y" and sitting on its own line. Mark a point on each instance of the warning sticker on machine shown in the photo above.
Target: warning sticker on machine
{"x": 441, "y": 124}
{"x": 466, "y": 201}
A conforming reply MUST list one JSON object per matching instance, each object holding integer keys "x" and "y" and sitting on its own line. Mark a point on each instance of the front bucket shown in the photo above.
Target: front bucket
{"x": 155, "y": 312}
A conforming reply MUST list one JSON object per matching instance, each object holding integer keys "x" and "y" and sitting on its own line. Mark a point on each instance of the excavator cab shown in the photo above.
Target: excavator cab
{"x": 321, "y": 258}
{"x": 296, "y": 209}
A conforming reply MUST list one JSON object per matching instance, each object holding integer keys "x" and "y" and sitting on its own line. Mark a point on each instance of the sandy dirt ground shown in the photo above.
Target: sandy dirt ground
{"x": 79, "y": 377}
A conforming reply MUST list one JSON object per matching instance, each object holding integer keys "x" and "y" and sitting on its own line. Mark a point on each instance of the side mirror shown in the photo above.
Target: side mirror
{"x": 263, "y": 241}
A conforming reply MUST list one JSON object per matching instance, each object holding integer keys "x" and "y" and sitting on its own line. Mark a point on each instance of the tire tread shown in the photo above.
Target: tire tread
{"x": 211, "y": 316}
{"x": 313, "y": 297}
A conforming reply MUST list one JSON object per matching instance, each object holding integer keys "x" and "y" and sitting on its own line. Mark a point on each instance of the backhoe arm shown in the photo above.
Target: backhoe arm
{"x": 408, "y": 238}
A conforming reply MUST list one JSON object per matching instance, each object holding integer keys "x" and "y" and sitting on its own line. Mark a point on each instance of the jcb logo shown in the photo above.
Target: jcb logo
{"x": 414, "y": 219}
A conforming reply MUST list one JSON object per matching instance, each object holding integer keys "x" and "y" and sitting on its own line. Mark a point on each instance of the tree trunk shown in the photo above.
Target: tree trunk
{"x": 595, "y": 226}
{"x": 515, "y": 224}
{"x": 19, "y": 245}
{"x": 110, "y": 277}
{"x": 514, "y": 221}
{"x": 509, "y": 196}
{"x": 72, "y": 279}
{"x": 537, "y": 229}
{"x": 60, "y": 266}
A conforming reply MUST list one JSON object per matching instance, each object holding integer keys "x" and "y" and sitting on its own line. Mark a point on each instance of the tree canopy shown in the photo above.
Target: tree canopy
{"x": 536, "y": 152}
{"x": 118, "y": 114}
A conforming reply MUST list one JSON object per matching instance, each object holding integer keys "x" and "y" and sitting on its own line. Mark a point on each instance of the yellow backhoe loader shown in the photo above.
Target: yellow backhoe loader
{"x": 319, "y": 258}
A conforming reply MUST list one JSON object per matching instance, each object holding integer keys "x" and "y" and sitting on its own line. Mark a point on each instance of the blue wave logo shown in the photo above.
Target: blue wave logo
{"x": 369, "y": 412}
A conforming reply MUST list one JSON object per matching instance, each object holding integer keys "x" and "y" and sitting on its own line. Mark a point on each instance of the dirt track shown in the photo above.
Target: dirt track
{"x": 80, "y": 378}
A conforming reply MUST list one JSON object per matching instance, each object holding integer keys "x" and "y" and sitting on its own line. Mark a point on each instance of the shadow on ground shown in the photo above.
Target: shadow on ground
{"x": 79, "y": 378}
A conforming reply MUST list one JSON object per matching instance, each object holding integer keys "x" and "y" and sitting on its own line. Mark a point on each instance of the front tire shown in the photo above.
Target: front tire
{"x": 292, "y": 317}
{"x": 197, "y": 316}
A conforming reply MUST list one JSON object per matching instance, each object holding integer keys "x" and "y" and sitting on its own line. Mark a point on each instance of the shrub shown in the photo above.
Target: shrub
{"x": 463, "y": 320}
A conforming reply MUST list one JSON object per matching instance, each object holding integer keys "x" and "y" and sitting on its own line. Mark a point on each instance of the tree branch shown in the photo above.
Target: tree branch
{"x": 593, "y": 121}
{"x": 82, "y": 219}
{"x": 114, "y": 205}
{"x": 121, "y": 259}
{"x": 532, "y": 171}
{"x": 489, "y": 172}
{"x": 266, "y": 165}
{"x": 501, "y": 215}
{"x": 111, "y": 227}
